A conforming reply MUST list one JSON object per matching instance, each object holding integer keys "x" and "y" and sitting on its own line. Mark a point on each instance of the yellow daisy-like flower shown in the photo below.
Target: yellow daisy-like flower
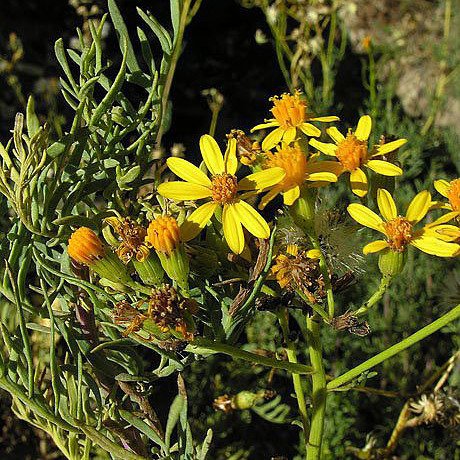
{"x": 399, "y": 231}
{"x": 290, "y": 114}
{"x": 298, "y": 170}
{"x": 222, "y": 188}
{"x": 352, "y": 152}
{"x": 451, "y": 191}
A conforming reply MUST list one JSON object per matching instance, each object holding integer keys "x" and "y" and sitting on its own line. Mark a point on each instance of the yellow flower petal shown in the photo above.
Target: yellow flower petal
{"x": 365, "y": 216}
{"x": 310, "y": 130}
{"x": 270, "y": 124}
{"x": 289, "y": 196}
{"x": 272, "y": 139}
{"x": 434, "y": 246}
{"x": 262, "y": 179}
{"x": 178, "y": 191}
{"x": 384, "y": 167}
{"x": 419, "y": 206}
{"x": 197, "y": 221}
{"x": 390, "y": 147}
{"x": 289, "y": 135}
{"x": 269, "y": 196}
{"x": 212, "y": 155}
{"x": 322, "y": 176}
{"x": 230, "y": 159}
{"x": 444, "y": 232}
{"x": 335, "y": 134}
{"x": 187, "y": 171}
{"x": 314, "y": 254}
{"x": 386, "y": 204}
{"x": 252, "y": 220}
{"x": 443, "y": 219}
{"x": 364, "y": 128}
{"x": 233, "y": 230}
{"x": 326, "y": 148}
{"x": 358, "y": 182}
{"x": 375, "y": 246}
{"x": 442, "y": 186}
{"x": 333, "y": 167}
{"x": 325, "y": 119}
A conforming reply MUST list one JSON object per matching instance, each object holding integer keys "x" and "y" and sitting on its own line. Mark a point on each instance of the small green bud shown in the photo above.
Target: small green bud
{"x": 150, "y": 270}
{"x": 391, "y": 263}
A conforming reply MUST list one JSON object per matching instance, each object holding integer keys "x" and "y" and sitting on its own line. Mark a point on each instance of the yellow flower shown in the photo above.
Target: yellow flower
{"x": 352, "y": 153}
{"x": 290, "y": 114}
{"x": 222, "y": 188}
{"x": 399, "y": 231}
{"x": 85, "y": 246}
{"x": 298, "y": 170}
{"x": 451, "y": 191}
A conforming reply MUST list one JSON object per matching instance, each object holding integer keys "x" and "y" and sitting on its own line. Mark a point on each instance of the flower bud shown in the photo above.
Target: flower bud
{"x": 164, "y": 236}
{"x": 85, "y": 247}
{"x": 391, "y": 263}
{"x": 150, "y": 270}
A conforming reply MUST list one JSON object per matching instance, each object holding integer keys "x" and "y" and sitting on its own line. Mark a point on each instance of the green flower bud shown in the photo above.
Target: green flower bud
{"x": 391, "y": 263}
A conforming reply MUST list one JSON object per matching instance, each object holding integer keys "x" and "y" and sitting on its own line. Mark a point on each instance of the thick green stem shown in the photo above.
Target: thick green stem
{"x": 389, "y": 352}
{"x": 200, "y": 345}
{"x": 319, "y": 392}
{"x": 292, "y": 357}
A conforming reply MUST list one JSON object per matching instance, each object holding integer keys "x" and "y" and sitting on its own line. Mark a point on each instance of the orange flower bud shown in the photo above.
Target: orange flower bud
{"x": 163, "y": 234}
{"x": 85, "y": 246}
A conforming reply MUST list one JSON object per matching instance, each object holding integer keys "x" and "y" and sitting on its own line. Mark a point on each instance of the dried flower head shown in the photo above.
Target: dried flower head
{"x": 85, "y": 246}
{"x": 299, "y": 270}
{"x": 132, "y": 239}
{"x": 428, "y": 408}
{"x": 167, "y": 309}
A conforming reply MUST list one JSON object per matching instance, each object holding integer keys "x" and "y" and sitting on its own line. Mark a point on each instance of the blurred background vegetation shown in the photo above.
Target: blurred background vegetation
{"x": 396, "y": 60}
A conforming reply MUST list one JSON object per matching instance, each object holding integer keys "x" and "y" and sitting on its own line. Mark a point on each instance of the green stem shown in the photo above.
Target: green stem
{"x": 172, "y": 68}
{"x": 319, "y": 392}
{"x": 201, "y": 344}
{"x": 376, "y": 296}
{"x": 283, "y": 316}
{"x": 303, "y": 212}
{"x": 395, "y": 349}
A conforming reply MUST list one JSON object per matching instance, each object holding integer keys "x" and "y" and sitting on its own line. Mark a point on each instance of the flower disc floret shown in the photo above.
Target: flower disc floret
{"x": 85, "y": 246}
{"x": 289, "y": 110}
{"x": 351, "y": 152}
{"x": 399, "y": 233}
{"x": 224, "y": 188}
{"x": 453, "y": 194}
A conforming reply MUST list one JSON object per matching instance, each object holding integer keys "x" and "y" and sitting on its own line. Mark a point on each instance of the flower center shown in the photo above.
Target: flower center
{"x": 351, "y": 152}
{"x": 294, "y": 163}
{"x": 224, "y": 187}
{"x": 289, "y": 110}
{"x": 453, "y": 194}
{"x": 399, "y": 233}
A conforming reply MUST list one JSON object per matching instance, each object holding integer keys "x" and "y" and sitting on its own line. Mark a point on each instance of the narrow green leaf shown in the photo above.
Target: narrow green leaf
{"x": 175, "y": 16}
{"x": 61, "y": 57}
{"x": 143, "y": 427}
{"x": 158, "y": 30}
{"x": 173, "y": 417}
{"x": 205, "y": 446}
{"x": 123, "y": 37}
{"x": 146, "y": 51}
{"x": 108, "y": 99}
{"x": 31, "y": 118}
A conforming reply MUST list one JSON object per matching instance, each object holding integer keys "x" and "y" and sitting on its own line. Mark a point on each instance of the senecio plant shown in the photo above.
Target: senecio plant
{"x": 132, "y": 273}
